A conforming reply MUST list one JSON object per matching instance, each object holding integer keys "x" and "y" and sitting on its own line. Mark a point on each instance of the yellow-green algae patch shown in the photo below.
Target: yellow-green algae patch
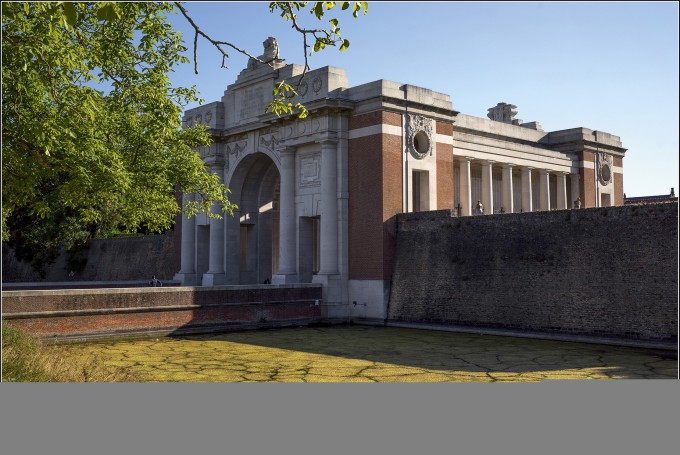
{"x": 371, "y": 354}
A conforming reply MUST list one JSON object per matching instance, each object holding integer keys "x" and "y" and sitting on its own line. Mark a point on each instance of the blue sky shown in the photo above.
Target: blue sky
{"x": 607, "y": 66}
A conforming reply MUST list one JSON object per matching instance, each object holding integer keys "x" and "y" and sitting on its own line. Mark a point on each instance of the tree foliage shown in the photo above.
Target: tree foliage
{"x": 92, "y": 141}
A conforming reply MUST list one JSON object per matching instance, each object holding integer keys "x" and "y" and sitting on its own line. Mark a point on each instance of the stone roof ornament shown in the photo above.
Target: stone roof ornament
{"x": 271, "y": 50}
{"x": 503, "y": 112}
{"x": 270, "y": 56}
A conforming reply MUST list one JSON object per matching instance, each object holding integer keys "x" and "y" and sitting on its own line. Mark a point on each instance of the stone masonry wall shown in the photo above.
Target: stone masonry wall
{"x": 609, "y": 272}
{"x": 116, "y": 259}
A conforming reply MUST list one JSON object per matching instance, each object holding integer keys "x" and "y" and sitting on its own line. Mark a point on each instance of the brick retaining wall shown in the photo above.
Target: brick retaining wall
{"x": 109, "y": 312}
{"x": 605, "y": 272}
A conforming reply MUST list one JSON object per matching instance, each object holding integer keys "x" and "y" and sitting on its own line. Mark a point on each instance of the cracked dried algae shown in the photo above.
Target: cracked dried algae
{"x": 373, "y": 354}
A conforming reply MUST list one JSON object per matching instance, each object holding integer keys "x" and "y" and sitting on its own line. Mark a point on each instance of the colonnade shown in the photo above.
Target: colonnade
{"x": 509, "y": 193}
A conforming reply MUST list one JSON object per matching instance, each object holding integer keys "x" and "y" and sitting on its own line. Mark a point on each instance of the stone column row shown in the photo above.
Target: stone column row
{"x": 215, "y": 274}
{"x": 527, "y": 188}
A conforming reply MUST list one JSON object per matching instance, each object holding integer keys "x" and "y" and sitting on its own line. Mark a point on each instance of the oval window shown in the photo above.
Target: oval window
{"x": 421, "y": 142}
{"x": 606, "y": 173}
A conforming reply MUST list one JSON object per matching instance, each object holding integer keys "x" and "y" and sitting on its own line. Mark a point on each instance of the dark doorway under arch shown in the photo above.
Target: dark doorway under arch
{"x": 252, "y": 233}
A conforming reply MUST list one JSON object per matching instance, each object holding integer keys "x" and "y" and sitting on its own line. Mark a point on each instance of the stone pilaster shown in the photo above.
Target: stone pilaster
{"x": 465, "y": 188}
{"x": 527, "y": 197}
{"x": 329, "y": 208}
{"x": 575, "y": 188}
{"x": 215, "y": 274}
{"x": 562, "y": 203}
{"x": 544, "y": 196}
{"x": 287, "y": 221}
{"x": 187, "y": 273}
{"x": 487, "y": 187}
{"x": 508, "y": 199}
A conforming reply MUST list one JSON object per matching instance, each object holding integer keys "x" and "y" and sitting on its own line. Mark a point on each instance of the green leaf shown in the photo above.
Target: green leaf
{"x": 334, "y": 22}
{"x": 107, "y": 12}
{"x": 318, "y": 10}
{"x": 345, "y": 5}
{"x": 8, "y": 12}
{"x": 319, "y": 45}
{"x": 70, "y": 12}
{"x": 345, "y": 45}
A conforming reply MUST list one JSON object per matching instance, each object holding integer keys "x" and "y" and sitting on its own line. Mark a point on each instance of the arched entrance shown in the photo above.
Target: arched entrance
{"x": 252, "y": 233}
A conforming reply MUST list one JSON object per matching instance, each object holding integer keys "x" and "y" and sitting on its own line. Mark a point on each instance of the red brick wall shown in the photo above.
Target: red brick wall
{"x": 365, "y": 204}
{"x": 109, "y": 299}
{"x": 375, "y": 182}
{"x": 112, "y": 323}
{"x": 618, "y": 189}
{"x": 109, "y": 312}
{"x": 392, "y": 197}
{"x": 587, "y": 181}
{"x": 374, "y": 118}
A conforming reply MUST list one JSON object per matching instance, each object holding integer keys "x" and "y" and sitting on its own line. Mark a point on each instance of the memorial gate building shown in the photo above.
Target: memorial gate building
{"x": 317, "y": 196}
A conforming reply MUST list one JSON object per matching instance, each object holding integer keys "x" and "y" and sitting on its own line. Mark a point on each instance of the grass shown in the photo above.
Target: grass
{"x": 26, "y": 359}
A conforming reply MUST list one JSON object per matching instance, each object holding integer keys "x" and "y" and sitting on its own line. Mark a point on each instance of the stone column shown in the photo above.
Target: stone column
{"x": 575, "y": 189}
{"x": 215, "y": 274}
{"x": 287, "y": 220}
{"x": 527, "y": 199}
{"x": 562, "y": 203}
{"x": 487, "y": 187}
{"x": 544, "y": 197}
{"x": 508, "y": 199}
{"x": 187, "y": 273}
{"x": 465, "y": 189}
{"x": 329, "y": 208}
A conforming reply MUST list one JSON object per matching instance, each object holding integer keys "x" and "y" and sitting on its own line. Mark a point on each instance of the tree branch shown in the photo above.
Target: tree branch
{"x": 218, "y": 44}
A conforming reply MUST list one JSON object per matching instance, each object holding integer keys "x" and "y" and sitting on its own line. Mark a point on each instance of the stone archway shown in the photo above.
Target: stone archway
{"x": 252, "y": 233}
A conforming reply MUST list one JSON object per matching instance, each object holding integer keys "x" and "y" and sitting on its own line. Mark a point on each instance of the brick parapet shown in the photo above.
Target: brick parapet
{"x": 109, "y": 312}
{"x": 99, "y": 299}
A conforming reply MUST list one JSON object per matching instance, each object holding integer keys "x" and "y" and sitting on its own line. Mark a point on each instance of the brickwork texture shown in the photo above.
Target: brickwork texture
{"x": 375, "y": 176}
{"x": 609, "y": 272}
{"x": 110, "y": 312}
{"x": 116, "y": 259}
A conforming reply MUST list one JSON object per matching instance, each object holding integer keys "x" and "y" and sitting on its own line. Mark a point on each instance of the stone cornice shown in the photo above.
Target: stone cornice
{"x": 500, "y": 137}
{"x": 400, "y": 102}
{"x": 589, "y": 146}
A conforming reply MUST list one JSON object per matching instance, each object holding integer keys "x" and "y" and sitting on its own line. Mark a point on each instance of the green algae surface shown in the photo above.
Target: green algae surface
{"x": 372, "y": 354}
